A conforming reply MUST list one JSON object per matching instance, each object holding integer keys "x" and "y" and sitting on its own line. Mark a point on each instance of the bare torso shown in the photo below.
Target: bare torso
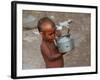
{"x": 51, "y": 55}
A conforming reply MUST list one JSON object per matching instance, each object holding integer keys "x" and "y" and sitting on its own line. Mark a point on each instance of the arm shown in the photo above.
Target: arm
{"x": 51, "y": 55}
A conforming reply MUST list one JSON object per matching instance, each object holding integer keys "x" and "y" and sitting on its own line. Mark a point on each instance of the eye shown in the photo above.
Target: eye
{"x": 51, "y": 33}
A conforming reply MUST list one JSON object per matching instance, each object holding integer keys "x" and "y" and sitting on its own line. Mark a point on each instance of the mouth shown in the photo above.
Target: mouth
{"x": 51, "y": 40}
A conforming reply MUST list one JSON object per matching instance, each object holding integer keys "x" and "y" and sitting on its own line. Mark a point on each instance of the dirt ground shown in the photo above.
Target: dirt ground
{"x": 80, "y": 32}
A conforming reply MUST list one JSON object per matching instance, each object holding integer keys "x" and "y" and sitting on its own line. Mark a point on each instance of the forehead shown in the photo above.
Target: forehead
{"x": 47, "y": 26}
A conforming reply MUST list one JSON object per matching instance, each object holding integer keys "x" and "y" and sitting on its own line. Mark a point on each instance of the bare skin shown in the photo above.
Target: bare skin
{"x": 51, "y": 55}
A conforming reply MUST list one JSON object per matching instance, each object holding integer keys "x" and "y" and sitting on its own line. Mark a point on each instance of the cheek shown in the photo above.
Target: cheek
{"x": 47, "y": 36}
{"x": 52, "y": 36}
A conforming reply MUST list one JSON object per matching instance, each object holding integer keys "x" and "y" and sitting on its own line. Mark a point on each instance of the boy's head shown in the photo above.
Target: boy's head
{"x": 47, "y": 28}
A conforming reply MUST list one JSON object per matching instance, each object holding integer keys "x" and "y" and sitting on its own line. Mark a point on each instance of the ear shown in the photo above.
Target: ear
{"x": 41, "y": 33}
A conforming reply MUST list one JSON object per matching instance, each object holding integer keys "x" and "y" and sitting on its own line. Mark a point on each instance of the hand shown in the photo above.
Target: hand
{"x": 63, "y": 53}
{"x": 58, "y": 33}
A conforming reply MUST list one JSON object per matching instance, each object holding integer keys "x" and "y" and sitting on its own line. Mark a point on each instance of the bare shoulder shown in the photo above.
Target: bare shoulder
{"x": 43, "y": 47}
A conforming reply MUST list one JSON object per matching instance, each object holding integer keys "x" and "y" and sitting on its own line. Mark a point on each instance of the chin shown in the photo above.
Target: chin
{"x": 51, "y": 40}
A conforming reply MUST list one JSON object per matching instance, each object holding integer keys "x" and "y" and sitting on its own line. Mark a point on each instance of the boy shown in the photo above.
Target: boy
{"x": 50, "y": 53}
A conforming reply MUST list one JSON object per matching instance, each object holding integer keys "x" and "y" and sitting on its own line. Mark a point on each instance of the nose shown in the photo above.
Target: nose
{"x": 53, "y": 36}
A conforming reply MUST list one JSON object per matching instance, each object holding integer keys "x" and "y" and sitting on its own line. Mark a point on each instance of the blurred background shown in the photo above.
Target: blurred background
{"x": 80, "y": 32}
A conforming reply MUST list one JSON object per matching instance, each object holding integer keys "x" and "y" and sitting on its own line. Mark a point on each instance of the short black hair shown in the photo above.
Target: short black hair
{"x": 43, "y": 20}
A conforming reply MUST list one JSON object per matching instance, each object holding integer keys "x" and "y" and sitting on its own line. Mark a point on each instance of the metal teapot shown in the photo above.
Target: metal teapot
{"x": 64, "y": 42}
